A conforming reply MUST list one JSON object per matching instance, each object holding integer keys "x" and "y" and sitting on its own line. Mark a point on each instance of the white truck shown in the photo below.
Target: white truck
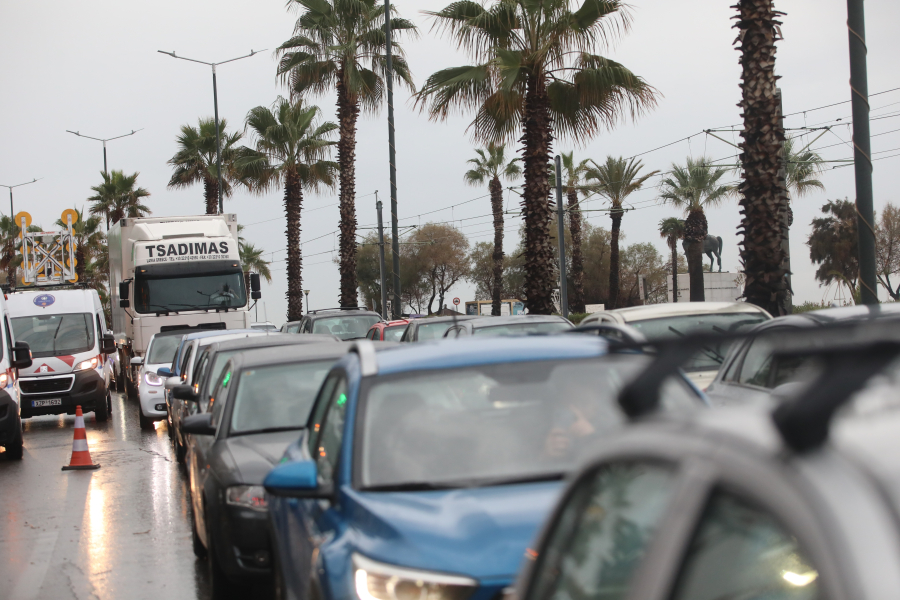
{"x": 170, "y": 273}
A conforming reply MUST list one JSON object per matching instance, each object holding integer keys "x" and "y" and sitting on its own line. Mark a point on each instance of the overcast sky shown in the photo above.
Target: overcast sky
{"x": 92, "y": 66}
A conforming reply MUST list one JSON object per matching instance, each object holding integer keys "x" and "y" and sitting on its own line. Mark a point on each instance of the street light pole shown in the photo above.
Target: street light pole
{"x": 104, "y": 140}
{"x": 216, "y": 109}
{"x": 396, "y": 308}
{"x": 384, "y": 311}
{"x": 561, "y": 232}
{"x": 12, "y": 212}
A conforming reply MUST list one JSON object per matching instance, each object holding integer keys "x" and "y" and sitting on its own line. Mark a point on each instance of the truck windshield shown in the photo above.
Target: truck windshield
{"x": 189, "y": 292}
{"x": 55, "y": 335}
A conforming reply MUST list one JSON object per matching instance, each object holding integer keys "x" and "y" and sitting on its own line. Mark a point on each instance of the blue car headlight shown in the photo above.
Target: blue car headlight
{"x": 379, "y": 581}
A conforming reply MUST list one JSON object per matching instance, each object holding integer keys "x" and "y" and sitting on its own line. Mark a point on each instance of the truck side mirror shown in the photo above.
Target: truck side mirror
{"x": 255, "y": 292}
{"x": 107, "y": 344}
{"x": 123, "y": 295}
{"x": 21, "y": 356}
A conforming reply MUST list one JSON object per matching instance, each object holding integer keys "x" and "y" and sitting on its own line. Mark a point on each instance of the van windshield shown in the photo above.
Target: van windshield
{"x": 55, "y": 335}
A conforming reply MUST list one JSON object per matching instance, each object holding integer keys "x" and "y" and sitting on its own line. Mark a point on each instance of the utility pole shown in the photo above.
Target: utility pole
{"x": 396, "y": 307}
{"x": 561, "y": 231}
{"x": 862, "y": 153}
{"x": 384, "y": 312}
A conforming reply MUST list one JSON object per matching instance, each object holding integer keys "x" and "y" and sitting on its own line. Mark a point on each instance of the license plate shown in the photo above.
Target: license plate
{"x": 47, "y": 402}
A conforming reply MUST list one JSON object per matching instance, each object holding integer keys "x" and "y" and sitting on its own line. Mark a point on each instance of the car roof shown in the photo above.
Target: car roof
{"x": 343, "y": 313}
{"x": 216, "y": 332}
{"x": 832, "y": 315}
{"x": 462, "y": 352}
{"x": 673, "y": 309}
{"x": 494, "y": 321}
{"x": 426, "y": 320}
{"x": 173, "y": 332}
{"x": 294, "y": 353}
{"x": 264, "y": 341}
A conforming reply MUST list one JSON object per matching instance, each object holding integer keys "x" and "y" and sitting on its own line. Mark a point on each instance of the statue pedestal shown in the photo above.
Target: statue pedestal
{"x": 717, "y": 287}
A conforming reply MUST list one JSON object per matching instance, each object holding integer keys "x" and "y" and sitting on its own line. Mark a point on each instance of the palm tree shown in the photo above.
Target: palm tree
{"x": 804, "y": 167}
{"x": 535, "y": 75}
{"x": 763, "y": 191}
{"x": 117, "y": 197}
{"x": 693, "y": 187}
{"x": 291, "y": 148}
{"x": 10, "y": 239}
{"x": 574, "y": 174}
{"x": 340, "y": 44}
{"x": 616, "y": 179}
{"x": 490, "y": 165}
{"x": 672, "y": 230}
{"x": 252, "y": 261}
{"x": 88, "y": 240}
{"x": 195, "y": 160}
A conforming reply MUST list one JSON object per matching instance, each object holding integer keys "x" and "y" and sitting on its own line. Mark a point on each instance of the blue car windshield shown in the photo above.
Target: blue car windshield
{"x": 494, "y": 424}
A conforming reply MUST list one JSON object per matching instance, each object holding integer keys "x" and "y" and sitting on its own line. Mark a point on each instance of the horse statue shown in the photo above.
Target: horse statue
{"x": 712, "y": 245}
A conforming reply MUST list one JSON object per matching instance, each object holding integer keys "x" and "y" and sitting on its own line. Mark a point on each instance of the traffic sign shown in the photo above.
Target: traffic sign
{"x": 456, "y": 301}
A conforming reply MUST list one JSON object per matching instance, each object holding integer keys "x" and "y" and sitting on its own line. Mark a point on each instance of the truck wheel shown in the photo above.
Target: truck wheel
{"x": 16, "y": 450}
{"x": 101, "y": 410}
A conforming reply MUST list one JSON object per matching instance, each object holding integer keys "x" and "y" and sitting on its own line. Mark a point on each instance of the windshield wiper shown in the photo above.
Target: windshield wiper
{"x": 424, "y": 486}
{"x": 268, "y": 430}
{"x": 709, "y": 351}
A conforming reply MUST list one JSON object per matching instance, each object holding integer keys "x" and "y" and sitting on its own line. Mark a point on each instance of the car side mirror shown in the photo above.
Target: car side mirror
{"x": 198, "y": 424}
{"x": 184, "y": 392}
{"x": 137, "y": 361}
{"x": 297, "y": 479}
{"x": 162, "y": 371}
{"x": 255, "y": 293}
{"x": 107, "y": 344}
{"x": 173, "y": 382}
{"x": 21, "y": 356}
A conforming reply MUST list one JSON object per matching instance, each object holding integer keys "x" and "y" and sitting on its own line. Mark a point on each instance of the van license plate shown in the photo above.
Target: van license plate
{"x": 47, "y": 402}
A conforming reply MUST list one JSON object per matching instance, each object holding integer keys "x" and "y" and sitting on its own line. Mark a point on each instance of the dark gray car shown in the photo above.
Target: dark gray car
{"x": 345, "y": 323}
{"x": 259, "y": 404}
{"x": 431, "y": 328}
{"x": 513, "y": 325}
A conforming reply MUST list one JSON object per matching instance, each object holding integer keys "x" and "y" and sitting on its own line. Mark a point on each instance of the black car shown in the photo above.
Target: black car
{"x": 194, "y": 397}
{"x": 345, "y": 323}
{"x": 432, "y": 328}
{"x": 259, "y": 403}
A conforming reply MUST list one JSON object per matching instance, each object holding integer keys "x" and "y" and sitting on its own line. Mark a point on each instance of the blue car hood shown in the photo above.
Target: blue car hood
{"x": 478, "y": 532}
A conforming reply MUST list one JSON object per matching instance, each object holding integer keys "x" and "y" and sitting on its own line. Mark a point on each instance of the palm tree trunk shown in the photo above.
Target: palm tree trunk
{"x": 247, "y": 282}
{"x": 616, "y": 215}
{"x": 211, "y": 192}
{"x": 695, "y": 232}
{"x": 79, "y": 262}
{"x": 10, "y": 264}
{"x": 536, "y": 141}
{"x": 497, "y": 208}
{"x": 673, "y": 244}
{"x": 577, "y": 299}
{"x": 293, "y": 203}
{"x": 763, "y": 192}
{"x": 348, "y": 113}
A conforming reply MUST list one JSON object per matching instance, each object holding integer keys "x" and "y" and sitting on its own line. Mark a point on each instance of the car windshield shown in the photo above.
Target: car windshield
{"x": 190, "y": 292}
{"x": 346, "y": 327}
{"x": 432, "y": 331}
{"x": 393, "y": 334}
{"x": 218, "y": 365}
{"x": 162, "y": 350}
{"x": 495, "y": 424}
{"x": 55, "y": 335}
{"x": 276, "y": 398}
{"x": 710, "y": 357}
{"x": 522, "y": 328}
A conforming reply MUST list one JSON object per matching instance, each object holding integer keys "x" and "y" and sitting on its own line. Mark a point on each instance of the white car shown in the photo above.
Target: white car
{"x": 676, "y": 319}
{"x": 151, "y": 391}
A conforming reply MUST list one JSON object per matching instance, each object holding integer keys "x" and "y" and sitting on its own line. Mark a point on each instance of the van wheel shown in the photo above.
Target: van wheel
{"x": 16, "y": 449}
{"x": 101, "y": 411}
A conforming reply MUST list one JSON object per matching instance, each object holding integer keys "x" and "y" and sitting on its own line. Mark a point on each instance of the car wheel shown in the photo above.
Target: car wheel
{"x": 146, "y": 423}
{"x": 221, "y": 586}
{"x": 169, "y": 428}
{"x": 16, "y": 450}
{"x": 180, "y": 450}
{"x": 101, "y": 411}
{"x": 109, "y": 402}
{"x": 199, "y": 548}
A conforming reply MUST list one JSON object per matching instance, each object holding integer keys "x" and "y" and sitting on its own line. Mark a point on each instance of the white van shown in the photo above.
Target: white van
{"x": 70, "y": 348}
{"x": 13, "y": 356}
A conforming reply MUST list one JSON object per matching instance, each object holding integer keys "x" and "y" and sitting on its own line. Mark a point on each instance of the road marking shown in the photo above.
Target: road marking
{"x": 32, "y": 578}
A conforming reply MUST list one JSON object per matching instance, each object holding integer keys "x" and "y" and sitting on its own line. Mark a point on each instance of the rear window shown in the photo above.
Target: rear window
{"x": 346, "y": 327}
{"x": 393, "y": 334}
{"x": 523, "y": 328}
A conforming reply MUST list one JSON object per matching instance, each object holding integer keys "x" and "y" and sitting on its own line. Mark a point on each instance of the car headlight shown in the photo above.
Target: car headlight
{"x": 247, "y": 496}
{"x": 84, "y": 365}
{"x": 4, "y": 380}
{"x": 153, "y": 379}
{"x": 378, "y": 581}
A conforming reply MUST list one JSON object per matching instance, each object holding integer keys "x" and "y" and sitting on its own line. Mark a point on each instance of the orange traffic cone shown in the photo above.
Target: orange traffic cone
{"x": 81, "y": 456}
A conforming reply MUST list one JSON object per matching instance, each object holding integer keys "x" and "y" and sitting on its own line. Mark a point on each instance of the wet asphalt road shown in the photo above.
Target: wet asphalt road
{"x": 122, "y": 531}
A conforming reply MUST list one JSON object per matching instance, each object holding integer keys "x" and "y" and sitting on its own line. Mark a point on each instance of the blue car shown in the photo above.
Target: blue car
{"x": 425, "y": 471}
